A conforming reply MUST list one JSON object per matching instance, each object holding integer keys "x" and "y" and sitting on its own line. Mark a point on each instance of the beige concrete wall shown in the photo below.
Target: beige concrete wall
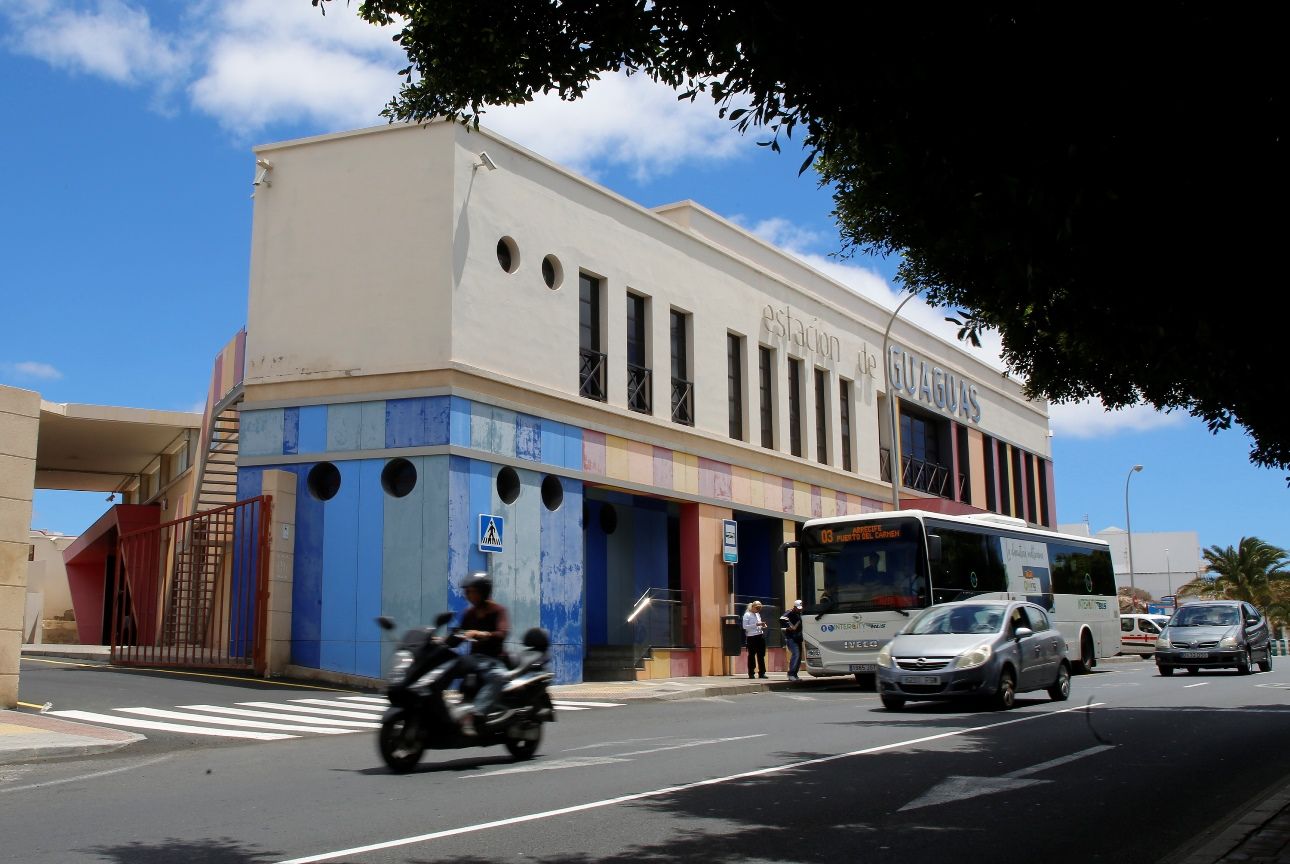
{"x": 47, "y": 573}
{"x": 19, "y": 428}
{"x": 281, "y": 487}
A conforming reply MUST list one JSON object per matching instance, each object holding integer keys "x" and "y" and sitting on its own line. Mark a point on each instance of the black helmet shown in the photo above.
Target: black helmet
{"x": 481, "y": 582}
{"x": 537, "y": 639}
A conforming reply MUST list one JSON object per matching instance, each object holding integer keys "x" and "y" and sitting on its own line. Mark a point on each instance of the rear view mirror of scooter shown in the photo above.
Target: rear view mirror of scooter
{"x": 385, "y": 622}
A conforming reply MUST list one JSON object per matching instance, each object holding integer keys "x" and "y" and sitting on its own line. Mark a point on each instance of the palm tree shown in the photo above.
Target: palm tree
{"x": 1255, "y": 571}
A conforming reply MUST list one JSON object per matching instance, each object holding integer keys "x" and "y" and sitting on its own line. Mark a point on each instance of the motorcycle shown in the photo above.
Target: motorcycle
{"x": 421, "y": 717}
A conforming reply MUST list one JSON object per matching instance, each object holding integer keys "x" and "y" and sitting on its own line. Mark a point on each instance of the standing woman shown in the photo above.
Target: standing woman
{"x": 755, "y": 638}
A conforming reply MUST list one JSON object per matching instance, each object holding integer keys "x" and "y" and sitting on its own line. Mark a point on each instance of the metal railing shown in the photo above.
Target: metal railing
{"x": 640, "y": 389}
{"x": 925, "y": 476}
{"x": 591, "y": 375}
{"x": 660, "y": 617}
{"x": 682, "y": 401}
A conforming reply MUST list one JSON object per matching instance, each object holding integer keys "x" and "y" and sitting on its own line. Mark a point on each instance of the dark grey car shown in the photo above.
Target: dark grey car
{"x": 971, "y": 648}
{"x": 1215, "y": 634}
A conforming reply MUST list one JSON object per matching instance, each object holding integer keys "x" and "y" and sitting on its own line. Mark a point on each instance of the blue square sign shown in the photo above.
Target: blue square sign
{"x": 491, "y": 532}
{"x": 730, "y": 541}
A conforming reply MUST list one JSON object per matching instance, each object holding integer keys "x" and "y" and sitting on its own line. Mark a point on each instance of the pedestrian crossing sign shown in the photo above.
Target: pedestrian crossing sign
{"x": 490, "y": 532}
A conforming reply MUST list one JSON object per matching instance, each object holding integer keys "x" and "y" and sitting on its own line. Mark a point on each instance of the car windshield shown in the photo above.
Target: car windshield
{"x": 957, "y": 618}
{"x": 1205, "y": 616}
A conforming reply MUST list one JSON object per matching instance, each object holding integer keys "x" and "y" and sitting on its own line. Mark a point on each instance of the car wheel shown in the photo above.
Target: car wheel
{"x": 1006, "y": 696}
{"x": 892, "y": 703}
{"x": 1087, "y": 659}
{"x": 1265, "y": 665}
{"x": 1061, "y": 689}
{"x": 1193, "y": 670}
{"x": 1243, "y": 665}
{"x": 1165, "y": 671}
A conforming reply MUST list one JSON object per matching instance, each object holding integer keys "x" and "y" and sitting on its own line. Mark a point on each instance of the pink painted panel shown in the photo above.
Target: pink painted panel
{"x": 714, "y": 479}
{"x": 817, "y": 506}
{"x": 593, "y": 452}
{"x": 662, "y": 467}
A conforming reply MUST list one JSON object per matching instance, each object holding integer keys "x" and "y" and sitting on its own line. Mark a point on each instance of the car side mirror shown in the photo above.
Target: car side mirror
{"x": 1023, "y": 632}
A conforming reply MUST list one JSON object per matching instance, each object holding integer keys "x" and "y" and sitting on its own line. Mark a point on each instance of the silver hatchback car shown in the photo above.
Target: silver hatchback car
{"x": 972, "y": 648}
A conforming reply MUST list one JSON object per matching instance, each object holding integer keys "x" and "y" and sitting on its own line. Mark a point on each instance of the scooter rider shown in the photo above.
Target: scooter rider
{"x": 487, "y": 624}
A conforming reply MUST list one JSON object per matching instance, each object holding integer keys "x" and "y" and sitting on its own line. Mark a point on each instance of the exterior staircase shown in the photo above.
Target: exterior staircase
{"x": 198, "y": 564}
{"x": 217, "y": 474}
{"x": 610, "y": 663}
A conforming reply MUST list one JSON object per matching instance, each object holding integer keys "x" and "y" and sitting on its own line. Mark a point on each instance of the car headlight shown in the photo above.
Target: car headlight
{"x": 1227, "y": 642}
{"x": 1162, "y": 644}
{"x": 884, "y": 657}
{"x": 974, "y": 658}
{"x": 399, "y": 664}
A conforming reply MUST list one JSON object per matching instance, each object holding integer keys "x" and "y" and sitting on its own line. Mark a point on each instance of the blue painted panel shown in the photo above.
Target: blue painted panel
{"x": 620, "y": 577}
{"x": 461, "y": 530}
{"x": 290, "y": 430}
{"x": 437, "y": 420}
{"x": 528, "y": 438}
{"x": 573, "y": 448}
{"x": 372, "y": 434}
{"x": 371, "y": 521}
{"x": 753, "y": 572}
{"x": 597, "y": 569}
{"x": 522, "y": 562}
{"x": 401, "y": 563}
{"x": 459, "y": 422}
{"x": 436, "y": 540}
{"x": 562, "y": 583}
{"x": 250, "y": 482}
{"x": 650, "y": 562}
{"x": 340, "y": 572}
{"x": 483, "y": 499}
{"x": 307, "y": 583}
{"x": 405, "y": 422}
{"x": 492, "y": 429}
{"x": 313, "y": 429}
{"x": 552, "y": 442}
{"x": 260, "y": 433}
{"x": 344, "y": 425}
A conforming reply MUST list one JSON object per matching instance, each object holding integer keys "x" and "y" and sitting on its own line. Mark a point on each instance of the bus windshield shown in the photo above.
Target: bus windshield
{"x": 864, "y": 567}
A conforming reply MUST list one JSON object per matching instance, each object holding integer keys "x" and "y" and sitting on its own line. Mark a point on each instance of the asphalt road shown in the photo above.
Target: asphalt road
{"x": 1132, "y": 768}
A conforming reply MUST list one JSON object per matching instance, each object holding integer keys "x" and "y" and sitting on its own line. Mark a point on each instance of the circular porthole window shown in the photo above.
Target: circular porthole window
{"x": 608, "y": 518}
{"x": 552, "y": 272}
{"x": 508, "y": 485}
{"x": 323, "y": 481}
{"x": 398, "y": 477}
{"x": 508, "y": 254}
{"x": 552, "y": 492}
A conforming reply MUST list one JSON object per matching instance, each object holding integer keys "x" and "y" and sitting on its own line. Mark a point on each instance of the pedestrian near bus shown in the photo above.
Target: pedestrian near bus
{"x": 755, "y": 638}
{"x": 791, "y": 623}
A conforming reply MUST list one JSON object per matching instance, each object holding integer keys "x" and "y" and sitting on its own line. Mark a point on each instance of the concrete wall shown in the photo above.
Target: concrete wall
{"x": 19, "y": 429}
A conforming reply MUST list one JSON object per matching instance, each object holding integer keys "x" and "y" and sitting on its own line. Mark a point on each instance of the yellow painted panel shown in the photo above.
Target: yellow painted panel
{"x": 616, "y": 457}
{"x": 976, "y": 468}
{"x": 740, "y": 485}
{"x": 801, "y": 499}
{"x": 685, "y": 473}
{"x": 640, "y": 463}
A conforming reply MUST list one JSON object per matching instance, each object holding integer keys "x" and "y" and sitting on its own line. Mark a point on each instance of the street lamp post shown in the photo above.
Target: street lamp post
{"x": 893, "y": 452}
{"x": 1128, "y": 526}
{"x": 1169, "y": 574}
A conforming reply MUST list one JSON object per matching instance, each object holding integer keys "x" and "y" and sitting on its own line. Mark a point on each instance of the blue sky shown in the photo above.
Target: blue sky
{"x": 127, "y": 171}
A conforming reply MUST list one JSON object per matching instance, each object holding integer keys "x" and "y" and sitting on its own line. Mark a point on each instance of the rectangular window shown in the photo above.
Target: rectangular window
{"x": 765, "y": 370}
{"x": 987, "y": 450}
{"x": 1032, "y": 504}
{"x": 592, "y": 361}
{"x": 844, "y": 415}
{"x": 682, "y": 386}
{"x": 964, "y": 478}
{"x": 640, "y": 384}
{"x": 795, "y": 407}
{"x": 1005, "y": 485}
{"x": 735, "y": 385}
{"x": 822, "y": 416}
{"x": 1045, "y": 518}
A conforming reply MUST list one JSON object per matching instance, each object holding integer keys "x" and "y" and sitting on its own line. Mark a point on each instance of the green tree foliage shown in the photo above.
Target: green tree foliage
{"x": 1099, "y": 184}
{"x": 1255, "y": 571}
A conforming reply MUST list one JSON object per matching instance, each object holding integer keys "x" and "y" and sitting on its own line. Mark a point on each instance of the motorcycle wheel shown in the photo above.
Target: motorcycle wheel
{"x": 525, "y": 748}
{"x": 400, "y": 744}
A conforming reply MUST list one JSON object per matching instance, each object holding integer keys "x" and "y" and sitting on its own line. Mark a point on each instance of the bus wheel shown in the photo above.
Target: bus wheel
{"x": 892, "y": 703}
{"x": 1087, "y": 659}
{"x": 867, "y": 681}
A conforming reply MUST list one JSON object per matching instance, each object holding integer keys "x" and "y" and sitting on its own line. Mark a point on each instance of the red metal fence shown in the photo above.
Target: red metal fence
{"x": 194, "y": 592}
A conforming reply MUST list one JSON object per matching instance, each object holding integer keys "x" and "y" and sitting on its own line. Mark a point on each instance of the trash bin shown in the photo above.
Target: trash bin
{"x": 732, "y": 635}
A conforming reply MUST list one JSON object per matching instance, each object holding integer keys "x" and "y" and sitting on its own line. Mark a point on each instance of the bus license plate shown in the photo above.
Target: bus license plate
{"x": 921, "y": 679}
{"x": 864, "y": 667}
{"x": 1195, "y": 655}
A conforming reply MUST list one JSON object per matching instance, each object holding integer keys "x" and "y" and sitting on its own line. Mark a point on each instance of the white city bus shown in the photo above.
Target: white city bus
{"x": 862, "y": 576}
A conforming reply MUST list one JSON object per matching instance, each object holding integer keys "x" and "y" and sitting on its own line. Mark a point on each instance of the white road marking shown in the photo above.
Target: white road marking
{"x": 316, "y": 712}
{"x": 234, "y": 721}
{"x": 604, "y": 744}
{"x": 376, "y": 700}
{"x": 292, "y": 718}
{"x": 333, "y": 703}
{"x": 793, "y": 696}
{"x": 670, "y": 790}
{"x": 686, "y": 744}
{"x": 82, "y": 777}
{"x": 1061, "y": 760}
{"x": 560, "y": 707}
{"x": 1278, "y": 685}
{"x": 131, "y": 722}
{"x": 1201, "y": 684}
{"x": 561, "y": 703}
{"x": 553, "y": 765}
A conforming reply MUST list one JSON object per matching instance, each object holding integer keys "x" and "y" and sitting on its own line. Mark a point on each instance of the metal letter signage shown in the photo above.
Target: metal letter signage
{"x": 491, "y": 532}
{"x": 730, "y": 541}
{"x": 923, "y": 382}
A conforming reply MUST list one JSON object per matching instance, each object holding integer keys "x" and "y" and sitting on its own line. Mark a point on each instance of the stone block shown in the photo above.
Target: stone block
{"x": 18, "y": 435}
{"x": 24, "y": 403}
{"x": 10, "y": 651}
{"x": 279, "y": 597}
{"x": 8, "y": 690}
{"x": 13, "y": 603}
{"x": 13, "y": 563}
{"x": 17, "y": 475}
{"x": 15, "y": 518}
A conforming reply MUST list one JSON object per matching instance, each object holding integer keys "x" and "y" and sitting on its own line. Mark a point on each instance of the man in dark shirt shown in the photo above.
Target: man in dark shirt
{"x": 487, "y": 625}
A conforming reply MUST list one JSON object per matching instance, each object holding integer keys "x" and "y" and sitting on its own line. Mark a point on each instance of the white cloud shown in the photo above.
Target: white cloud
{"x": 113, "y": 40}
{"x": 32, "y": 369}
{"x": 1090, "y": 419}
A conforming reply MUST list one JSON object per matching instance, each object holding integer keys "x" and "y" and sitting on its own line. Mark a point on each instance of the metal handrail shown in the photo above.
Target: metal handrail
{"x": 591, "y": 375}
{"x": 639, "y": 389}
{"x": 659, "y": 618}
{"x": 683, "y": 401}
{"x": 923, "y": 476}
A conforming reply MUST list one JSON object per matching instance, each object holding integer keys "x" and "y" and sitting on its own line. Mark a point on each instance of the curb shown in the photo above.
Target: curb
{"x": 28, "y": 737}
{"x": 1238, "y": 829}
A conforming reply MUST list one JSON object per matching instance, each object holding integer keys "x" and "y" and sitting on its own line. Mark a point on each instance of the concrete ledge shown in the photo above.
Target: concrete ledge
{"x": 28, "y": 737}
{"x": 75, "y": 652}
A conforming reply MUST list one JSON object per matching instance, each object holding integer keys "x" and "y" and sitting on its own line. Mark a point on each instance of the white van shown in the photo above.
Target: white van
{"x": 1138, "y": 633}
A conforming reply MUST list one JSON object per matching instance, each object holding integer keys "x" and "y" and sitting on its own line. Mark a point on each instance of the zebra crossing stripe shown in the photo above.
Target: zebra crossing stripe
{"x": 234, "y": 721}
{"x": 134, "y": 723}
{"x": 334, "y": 703}
{"x": 274, "y": 715}
{"x": 316, "y": 712}
{"x": 560, "y": 707}
{"x": 375, "y": 700}
{"x": 565, "y": 704}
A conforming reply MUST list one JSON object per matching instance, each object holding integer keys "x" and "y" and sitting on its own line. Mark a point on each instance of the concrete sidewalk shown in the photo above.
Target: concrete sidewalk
{"x": 27, "y": 737}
